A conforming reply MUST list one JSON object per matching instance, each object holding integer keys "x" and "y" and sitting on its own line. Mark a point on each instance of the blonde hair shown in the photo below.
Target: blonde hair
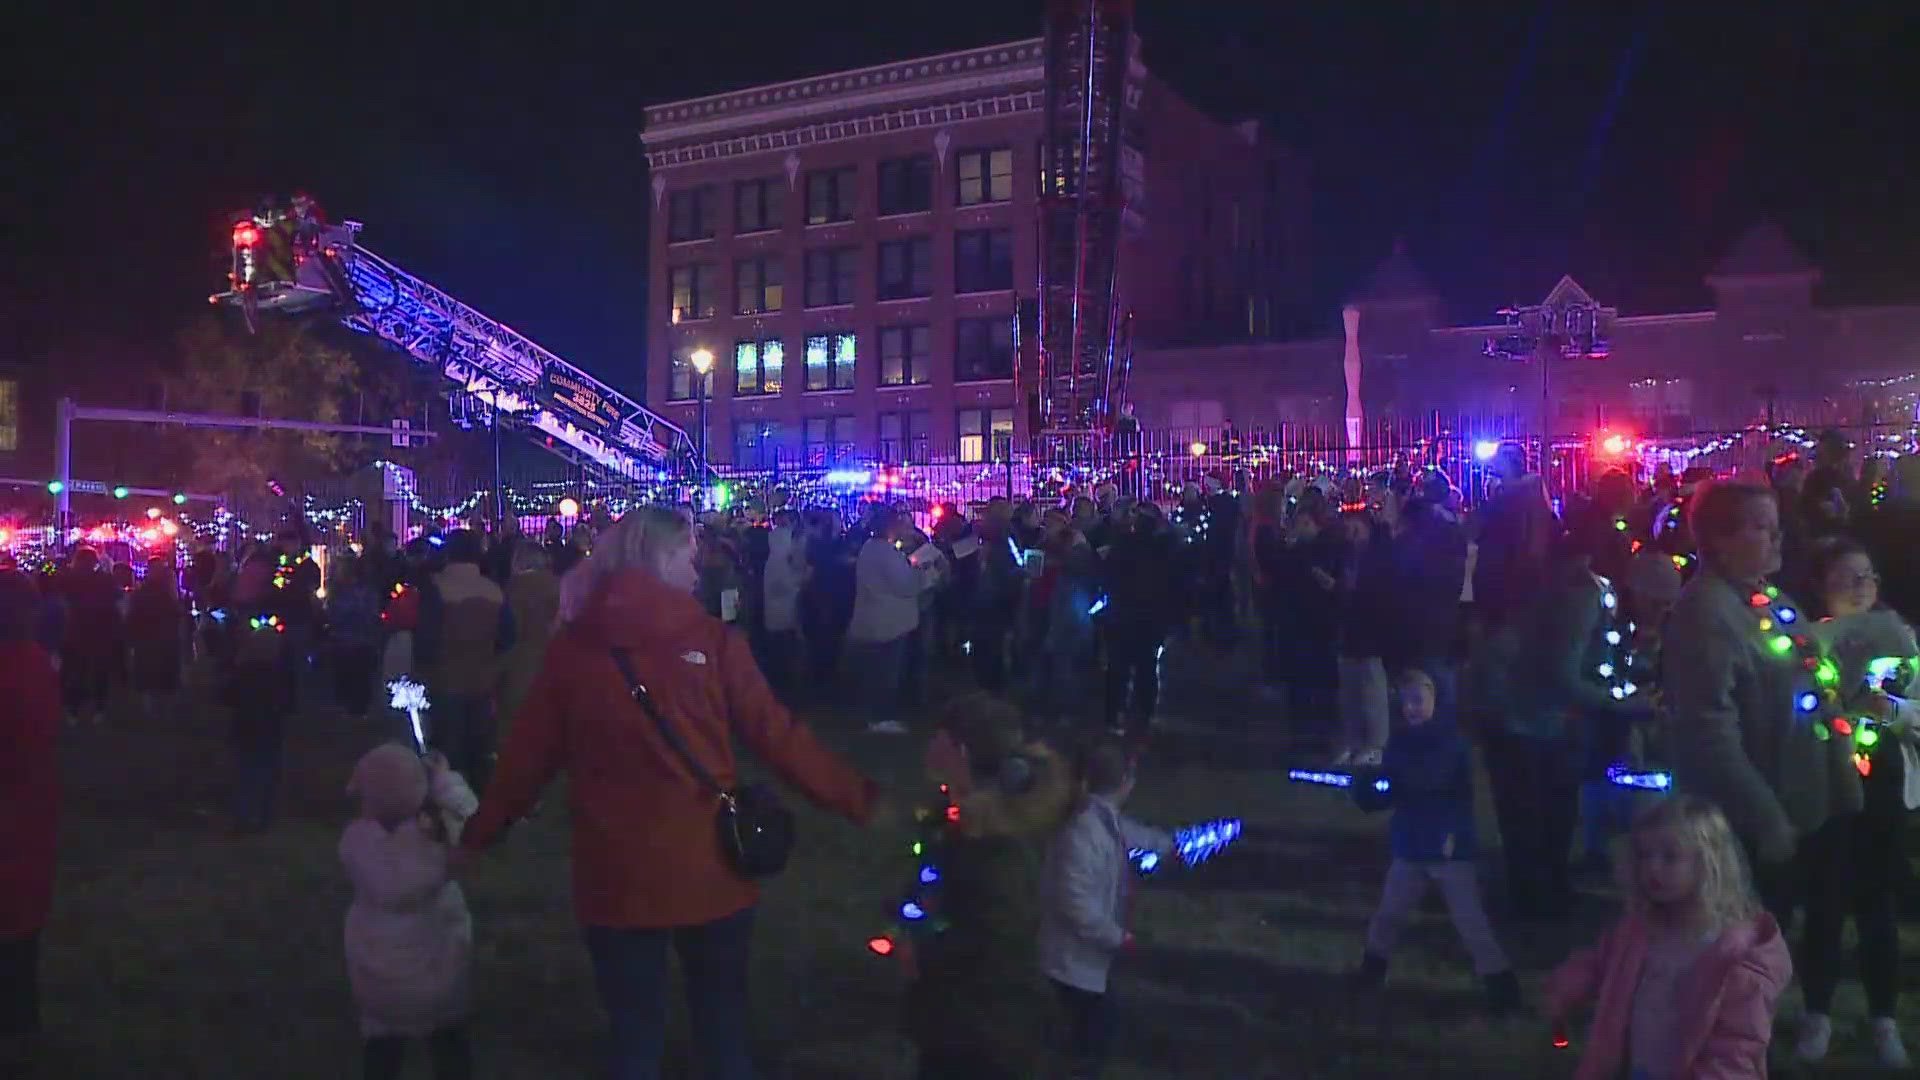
{"x": 1726, "y": 895}
{"x": 638, "y": 541}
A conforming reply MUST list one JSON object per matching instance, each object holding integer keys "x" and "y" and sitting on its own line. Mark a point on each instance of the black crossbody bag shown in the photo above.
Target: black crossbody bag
{"x": 755, "y": 829}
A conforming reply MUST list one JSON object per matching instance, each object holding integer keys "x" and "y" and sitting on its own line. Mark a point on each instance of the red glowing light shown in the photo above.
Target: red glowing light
{"x": 881, "y": 946}
{"x": 1758, "y": 599}
{"x": 1561, "y": 1042}
{"x": 953, "y": 813}
{"x": 938, "y": 512}
{"x": 1841, "y": 726}
{"x": 245, "y": 235}
{"x": 1615, "y": 445}
{"x": 1865, "y": 765}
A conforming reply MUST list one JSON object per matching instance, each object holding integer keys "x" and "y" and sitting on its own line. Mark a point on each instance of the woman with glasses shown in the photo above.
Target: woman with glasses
{"x": 1863, "y": 872}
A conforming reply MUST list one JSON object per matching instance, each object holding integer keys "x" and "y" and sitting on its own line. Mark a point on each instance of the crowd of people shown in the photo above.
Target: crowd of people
{"x": 1567, "y": 640}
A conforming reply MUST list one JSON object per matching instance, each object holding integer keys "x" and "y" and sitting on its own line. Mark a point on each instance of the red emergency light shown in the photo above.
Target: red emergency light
{"x": 245, "y": 234}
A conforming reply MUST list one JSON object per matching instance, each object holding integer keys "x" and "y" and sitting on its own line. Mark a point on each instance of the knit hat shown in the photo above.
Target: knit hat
{"x": 390, "y": 781}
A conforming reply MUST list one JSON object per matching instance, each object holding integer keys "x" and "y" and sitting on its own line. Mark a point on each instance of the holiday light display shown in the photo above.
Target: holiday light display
{"x": 1826, "y": 704}
{"x": 1616, "y": 671}
{"x": 918, "y": 912}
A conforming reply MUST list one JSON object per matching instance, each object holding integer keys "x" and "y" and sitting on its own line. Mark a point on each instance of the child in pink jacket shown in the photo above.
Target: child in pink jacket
{"x": 1684, "y": 985}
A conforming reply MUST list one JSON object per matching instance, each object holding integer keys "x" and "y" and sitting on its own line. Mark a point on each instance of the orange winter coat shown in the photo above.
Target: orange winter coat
{"x": 645, "y": 853}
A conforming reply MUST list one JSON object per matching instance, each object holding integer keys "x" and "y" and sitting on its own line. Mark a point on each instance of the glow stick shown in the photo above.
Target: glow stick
{"x": 1333, "y": 779}
{"x": 1196, "y": 844}
{"x": 1647, "y": 781}
{"x": 1099, "y": 606}
{"x": 410, "y": 697}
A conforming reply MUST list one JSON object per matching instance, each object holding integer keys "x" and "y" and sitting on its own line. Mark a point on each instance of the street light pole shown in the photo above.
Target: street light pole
{"x": 702, "y": 361}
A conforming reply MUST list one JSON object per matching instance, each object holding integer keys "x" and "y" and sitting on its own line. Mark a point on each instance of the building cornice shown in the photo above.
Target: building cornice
{"x": 970, "y": 71}
{"x": 769, "y": 140}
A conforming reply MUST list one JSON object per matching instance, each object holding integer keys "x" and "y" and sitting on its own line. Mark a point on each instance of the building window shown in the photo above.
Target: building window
{"x": 829, "y": 196}
{"x": 906, "y": 355}
{"x": 985, "y": 176}
{"x": 906, "y": 268}
{"x": 756, "y": 444}
{"x": 760, "y": 283}
{"x": 682, "y": 380}
{"x": 756, "y": 206}
{"x": 983, "y": 348}
{"x": 9, "y": 415}
{"x": 906, "y": 437}
{"x": 690, "y": 214}
{"x": 828, "y": 440}
{"x": 830, "y": 362}
{"x": 986, "y": 434}
{"x": 906, "y": 185}
{"x": 983, "y": 260}
{"x": 693, "y": 291}
{"x": 829, "y": 277}
{"x": 756, "y": 367}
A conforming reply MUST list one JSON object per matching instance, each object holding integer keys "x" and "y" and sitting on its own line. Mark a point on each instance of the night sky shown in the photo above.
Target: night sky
{"x": 498, "y": 157}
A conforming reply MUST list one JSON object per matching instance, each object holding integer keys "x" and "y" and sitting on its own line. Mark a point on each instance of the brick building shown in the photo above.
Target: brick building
{"x": 1766, "y": 344}
{"x": 852, "y": 248}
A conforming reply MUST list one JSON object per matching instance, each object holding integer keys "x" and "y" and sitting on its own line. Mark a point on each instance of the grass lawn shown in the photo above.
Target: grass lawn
{"x": 174, "y": 953}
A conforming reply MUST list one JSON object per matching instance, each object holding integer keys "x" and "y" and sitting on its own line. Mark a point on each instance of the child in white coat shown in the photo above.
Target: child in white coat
{"x": 1083, "y": 898}
{"x": 409, "y": 939}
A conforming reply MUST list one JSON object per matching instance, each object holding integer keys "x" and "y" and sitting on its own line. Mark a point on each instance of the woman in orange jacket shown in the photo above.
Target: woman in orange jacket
{"x": 647, "y": 866}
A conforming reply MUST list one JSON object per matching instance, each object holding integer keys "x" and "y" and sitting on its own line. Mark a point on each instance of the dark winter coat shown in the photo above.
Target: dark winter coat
{"x": 1429, "y": 772}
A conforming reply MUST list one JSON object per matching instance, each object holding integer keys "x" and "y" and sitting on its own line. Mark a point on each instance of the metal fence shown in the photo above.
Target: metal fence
{"x": 1154, "y": 464}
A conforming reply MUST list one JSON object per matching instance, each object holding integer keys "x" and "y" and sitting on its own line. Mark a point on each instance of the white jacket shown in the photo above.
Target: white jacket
{"x": 886, "y": 594}
{"x": 409, "y": 939}
{"x": 1083, "y": 888}
{"x": 786, "y": 572}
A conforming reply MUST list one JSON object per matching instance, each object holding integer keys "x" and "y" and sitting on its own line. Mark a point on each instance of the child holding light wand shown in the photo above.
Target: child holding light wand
{"x": 1429, "y": 784}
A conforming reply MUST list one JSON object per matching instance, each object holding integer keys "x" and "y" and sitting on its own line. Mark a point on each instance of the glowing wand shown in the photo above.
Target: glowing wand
{"x": 411, "y": 698}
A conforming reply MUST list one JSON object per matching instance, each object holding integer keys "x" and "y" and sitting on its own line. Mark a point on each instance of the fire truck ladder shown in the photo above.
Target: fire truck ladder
{"x": 1088, "y": 46}
{"x": 584, "y": 420}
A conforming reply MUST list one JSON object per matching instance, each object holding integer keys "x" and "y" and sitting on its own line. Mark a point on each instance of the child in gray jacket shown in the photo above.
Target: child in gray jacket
{"x": 1083, "y": 898}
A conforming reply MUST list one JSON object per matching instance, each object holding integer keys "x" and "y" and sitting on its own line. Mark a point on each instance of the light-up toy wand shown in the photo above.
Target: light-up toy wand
{"x": 411, "y": 698}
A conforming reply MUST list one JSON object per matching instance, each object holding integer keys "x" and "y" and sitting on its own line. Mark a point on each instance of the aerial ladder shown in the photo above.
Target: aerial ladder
{"x": 295, "y": 262}
{"x": 1083, "y": 352}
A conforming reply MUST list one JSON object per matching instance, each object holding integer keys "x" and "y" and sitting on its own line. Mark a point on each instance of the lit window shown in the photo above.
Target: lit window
{"x": 983, "y": 260}
{"x": 756, "y": 206}
{"x": 985, "y": 176}
{"x": 829, "y": 196}
{"x": 694, "y": 289}
{"x": 830, "y": 360}
{"x": 984, "y": 431}
{"x": 690, "y": 214}
{"x": 906, "y": 355}
{"x": 906, "y": 268}
{"x": 9, "y": 414}
{"x": 760, "y": 286}
{"x": 681, "y": 378}
{"x": 983, "y": 348}
{"x": 756, "y": 367}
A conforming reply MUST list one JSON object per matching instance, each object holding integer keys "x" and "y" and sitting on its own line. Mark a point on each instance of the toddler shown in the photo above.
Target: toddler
{"x": 1083, "y": 901}
{"x": 409, "y": 940}
{"x": 1685, "y": 983}
{"x": 1429, "y": 776}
